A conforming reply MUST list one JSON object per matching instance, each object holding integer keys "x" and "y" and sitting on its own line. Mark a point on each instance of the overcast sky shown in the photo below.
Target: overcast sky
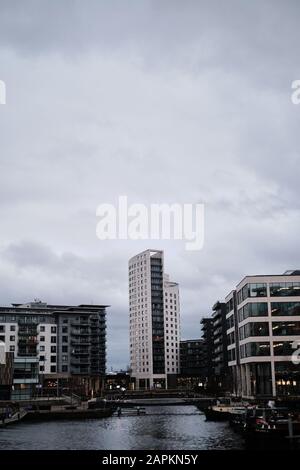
{"x": 162, "y": 101}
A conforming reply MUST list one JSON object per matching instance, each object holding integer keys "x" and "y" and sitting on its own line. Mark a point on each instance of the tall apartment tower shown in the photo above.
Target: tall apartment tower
{"x": 154, "y": 312}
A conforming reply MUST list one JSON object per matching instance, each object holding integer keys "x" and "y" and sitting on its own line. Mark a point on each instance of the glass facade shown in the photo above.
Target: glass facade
{"x": 255, "y": 349}
{"x": 283, "y": 348}
{"x": 284, "y": 289}
{"x": 230, "y": 322}
{"x": 253, "y": 309}
{"x": 229, "y": 305}
{"x": 254, "y": 329}
{"x": 260, "y": 379}
{"x": 290, "y": 328}
{"x": 231, "y": 355}
{"x": 285, "y": 309}
{"x": 252, "y": 290}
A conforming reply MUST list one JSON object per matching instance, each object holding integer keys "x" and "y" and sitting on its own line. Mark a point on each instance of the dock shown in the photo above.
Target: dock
{"x": 12, "y": 419}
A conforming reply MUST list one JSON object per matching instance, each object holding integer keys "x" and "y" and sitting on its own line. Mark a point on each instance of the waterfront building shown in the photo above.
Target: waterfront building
{"x": 207, "y": 335}
{"x": 193, "y": 370}
{"x": 233, "y": 343}
{"x": 263, "y": 329}
{"x": 214, "y": 333}
{"x": 53, "y": 345}
{"x": 154, "y": 316}
{"x": 6, "y": 374}
{"x": 220, "y": 353}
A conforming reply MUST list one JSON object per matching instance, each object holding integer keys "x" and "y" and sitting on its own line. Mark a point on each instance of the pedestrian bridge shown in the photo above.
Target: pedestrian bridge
{"x": 168, "y": 401}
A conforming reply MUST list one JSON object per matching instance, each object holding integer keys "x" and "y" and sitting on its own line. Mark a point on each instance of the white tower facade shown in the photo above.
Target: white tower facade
{"x": 154, "y": 315}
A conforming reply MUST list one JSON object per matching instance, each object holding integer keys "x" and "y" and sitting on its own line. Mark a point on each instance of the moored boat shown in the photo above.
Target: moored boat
{"x": 222, "y": 412}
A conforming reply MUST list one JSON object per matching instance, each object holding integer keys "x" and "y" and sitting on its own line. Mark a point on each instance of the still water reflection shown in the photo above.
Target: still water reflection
{"x": 163, "y": 428}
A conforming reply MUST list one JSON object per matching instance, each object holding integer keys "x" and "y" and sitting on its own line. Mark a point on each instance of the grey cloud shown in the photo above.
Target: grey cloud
{"x": 164, "y": 102}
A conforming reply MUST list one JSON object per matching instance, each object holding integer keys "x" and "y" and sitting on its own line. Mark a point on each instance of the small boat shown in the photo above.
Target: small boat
{"x": 223, "y": 412}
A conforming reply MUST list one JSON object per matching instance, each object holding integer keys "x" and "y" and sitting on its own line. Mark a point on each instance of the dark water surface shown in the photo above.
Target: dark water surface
{"x": 163, "y": 428}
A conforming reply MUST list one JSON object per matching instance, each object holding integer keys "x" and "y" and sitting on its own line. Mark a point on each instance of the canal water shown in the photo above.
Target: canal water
{"x": 162, "y": 428}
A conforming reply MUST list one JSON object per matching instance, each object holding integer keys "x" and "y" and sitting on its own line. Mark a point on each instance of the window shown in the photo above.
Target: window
{"x": 286, "y": 328}
{"x": 255, "y": 349}
{"x": 252, "y": 290}
{"x": 284, "y": 289}
{"x": 254, "y": 329}
{"x": 12, "y": 338}
{"x": 53, "y": 349}
{"x": 53, "y": 369}
{"x": 64, "y": 368}
{"x": 42, "y": 338}
{"x": 12, "y": 348}
{"x": 231, "y": 355}
{"x": 53, "y": 339}
{"x": 285, "y": 309}
{"x": 253, "y": 309}
{"x": 42, "y": 329}
{"x": 2, "y": 328}
{"x": 42, "y": 348}
{"x": 42, "y": 358}
{"x": 42, "y": 368}
{"x": 65, "y": 329}
{"x": 64, "y": 339}
{"x": 12, "y": 327}
{"x": 230, "y": 322}
{"x": 283, "y": 348}
{"x": 64, "y": 349}
{"x": 53, "y": 329}
{"x": 53, "y": 358}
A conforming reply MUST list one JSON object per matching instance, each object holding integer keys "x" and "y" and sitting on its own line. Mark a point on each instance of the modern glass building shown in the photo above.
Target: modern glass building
{"x": 263, "y": 330}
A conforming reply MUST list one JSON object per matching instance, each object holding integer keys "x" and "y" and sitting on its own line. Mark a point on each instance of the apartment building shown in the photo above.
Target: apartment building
{"x": 6, "y": 373}
{"x": 154, "y": 316}
{"x": 263, "y": 330}
{"x": 54, "y": 343}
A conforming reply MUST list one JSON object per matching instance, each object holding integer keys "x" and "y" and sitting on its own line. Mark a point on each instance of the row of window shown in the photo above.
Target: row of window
{"x": 11, "y": 338}
{"x": 291, "y": 328}
{"x": 252, "y": 290}
{"x": 254, "y": 309}
{"x": 260, "y": 309}
{"x": 277, "y": 289}
{"x": 280, "y": 348}
{"x": 11, "y": 328}
{"x": 254, "y": 329}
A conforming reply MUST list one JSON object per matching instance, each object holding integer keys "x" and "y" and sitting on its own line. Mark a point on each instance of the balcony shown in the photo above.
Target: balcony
{"x": 81, "y": 371}
{"x": 77, "y": 323}
{"x": 80, "y": 341}
{"x": 81, "y": 352}
{"x": 27, "y": 342}
{"x": 81, "y": 332}
{"x": 80, "y": 362}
